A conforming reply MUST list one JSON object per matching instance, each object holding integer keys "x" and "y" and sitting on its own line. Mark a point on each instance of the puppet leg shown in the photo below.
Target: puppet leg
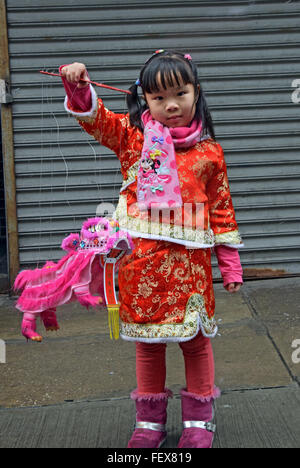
{"x": 49, "y": 319}
{"x": 85, "y": 298}
{"x": 29, "y": 327}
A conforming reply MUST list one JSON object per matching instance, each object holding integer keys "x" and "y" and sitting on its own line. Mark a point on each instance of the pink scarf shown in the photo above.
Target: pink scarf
{"x": 158, "y": 182}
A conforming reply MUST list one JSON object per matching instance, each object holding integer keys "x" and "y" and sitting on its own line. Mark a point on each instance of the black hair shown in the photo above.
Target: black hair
{"x": 171, "y": 66}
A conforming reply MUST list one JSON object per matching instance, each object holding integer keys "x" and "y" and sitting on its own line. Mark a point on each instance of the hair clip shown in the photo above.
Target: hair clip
{"x": 138, "y": 83}
{"x": 159, "y": 51}
{"x": 188, "y": 57}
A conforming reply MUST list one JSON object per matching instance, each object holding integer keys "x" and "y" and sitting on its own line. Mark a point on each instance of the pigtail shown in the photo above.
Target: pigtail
{"x": 135, "y": 106}
{"x": 202, "y": 110}
{"x": 202, "y": 113}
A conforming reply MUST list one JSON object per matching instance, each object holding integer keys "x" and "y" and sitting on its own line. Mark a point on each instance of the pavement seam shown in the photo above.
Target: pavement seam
{"x": 255, "y": 315}
{"x": 176, "y": 396}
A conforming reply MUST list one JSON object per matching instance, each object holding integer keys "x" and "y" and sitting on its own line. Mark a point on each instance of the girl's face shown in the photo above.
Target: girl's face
{"x": 174, "y": 106}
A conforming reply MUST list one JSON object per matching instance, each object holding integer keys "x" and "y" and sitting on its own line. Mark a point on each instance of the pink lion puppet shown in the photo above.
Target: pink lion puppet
{"x": 77, "y": 276}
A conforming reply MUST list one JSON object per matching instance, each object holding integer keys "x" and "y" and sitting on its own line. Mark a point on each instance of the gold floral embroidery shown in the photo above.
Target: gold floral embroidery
{"x": 167, "y": 266}
{"x": 203, "y": 169}
{"x": 144, "y": 290}
{"x": 231, "y": 237}
{"x": 165, "y": 276}
{"x": 195, "y": 318}
{"x": 146, "y": 285}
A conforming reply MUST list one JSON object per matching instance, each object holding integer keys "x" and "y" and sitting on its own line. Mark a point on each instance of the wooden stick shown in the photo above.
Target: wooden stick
{"x": 91, "y": 82}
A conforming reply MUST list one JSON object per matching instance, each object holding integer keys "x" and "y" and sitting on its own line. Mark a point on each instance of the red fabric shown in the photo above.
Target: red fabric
{"x": 199, "y": 366}
{"x": 157, "y": 279}
{"x": 150, "y": 367}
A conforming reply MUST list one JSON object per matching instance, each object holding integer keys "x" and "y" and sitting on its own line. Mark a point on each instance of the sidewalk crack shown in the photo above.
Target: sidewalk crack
{"x": 256, "y": 316}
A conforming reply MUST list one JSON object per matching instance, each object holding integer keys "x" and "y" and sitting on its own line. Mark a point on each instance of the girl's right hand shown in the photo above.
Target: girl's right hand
{"x": 74, "y": 73}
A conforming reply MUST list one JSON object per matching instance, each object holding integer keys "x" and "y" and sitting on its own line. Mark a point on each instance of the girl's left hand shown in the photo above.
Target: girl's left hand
{"x": 233, "y": 287}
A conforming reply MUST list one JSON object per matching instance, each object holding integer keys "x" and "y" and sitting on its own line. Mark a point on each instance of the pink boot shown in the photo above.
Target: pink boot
{"x": 151, "y": 417}
{"x": 29, "y": 327}
{"x": 49, "y": 319}
{"x": 197, "y": 413}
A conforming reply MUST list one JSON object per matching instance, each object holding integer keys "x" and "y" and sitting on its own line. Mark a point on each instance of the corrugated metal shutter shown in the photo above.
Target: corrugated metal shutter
{"x": 248, "y": 56}
{"x": 3, "y": 244}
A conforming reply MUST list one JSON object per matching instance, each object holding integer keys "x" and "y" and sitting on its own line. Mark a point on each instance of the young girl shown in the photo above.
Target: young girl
{"x": 176, "y": 208}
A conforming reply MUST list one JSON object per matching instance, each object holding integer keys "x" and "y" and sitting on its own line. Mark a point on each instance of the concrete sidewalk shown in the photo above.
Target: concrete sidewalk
{"x": 72, "y": 390}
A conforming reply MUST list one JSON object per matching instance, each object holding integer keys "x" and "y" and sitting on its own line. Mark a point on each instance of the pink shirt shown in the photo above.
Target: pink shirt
{"x": 229, "y": 264}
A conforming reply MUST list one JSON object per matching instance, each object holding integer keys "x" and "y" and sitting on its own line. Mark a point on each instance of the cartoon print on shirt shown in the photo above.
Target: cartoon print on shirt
{"x": 153, "y": 171}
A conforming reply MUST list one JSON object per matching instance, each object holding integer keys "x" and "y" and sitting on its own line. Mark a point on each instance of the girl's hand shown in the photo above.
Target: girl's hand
{"x": 233, "y": 287}
{"x": 74, "y": 73}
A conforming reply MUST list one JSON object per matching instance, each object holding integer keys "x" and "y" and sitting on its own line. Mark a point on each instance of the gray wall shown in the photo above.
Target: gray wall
{"x": 248, "y": 56}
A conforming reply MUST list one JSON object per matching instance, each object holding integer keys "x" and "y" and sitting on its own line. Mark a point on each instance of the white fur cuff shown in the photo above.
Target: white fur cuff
{"x": 91, "y": 113}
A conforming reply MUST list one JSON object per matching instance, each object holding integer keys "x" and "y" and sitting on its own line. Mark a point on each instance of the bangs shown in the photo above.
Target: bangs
{"x": 166, "y": 72}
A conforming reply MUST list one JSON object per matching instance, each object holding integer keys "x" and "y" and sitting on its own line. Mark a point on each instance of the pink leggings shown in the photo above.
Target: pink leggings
{"x": 199, "y": 366}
